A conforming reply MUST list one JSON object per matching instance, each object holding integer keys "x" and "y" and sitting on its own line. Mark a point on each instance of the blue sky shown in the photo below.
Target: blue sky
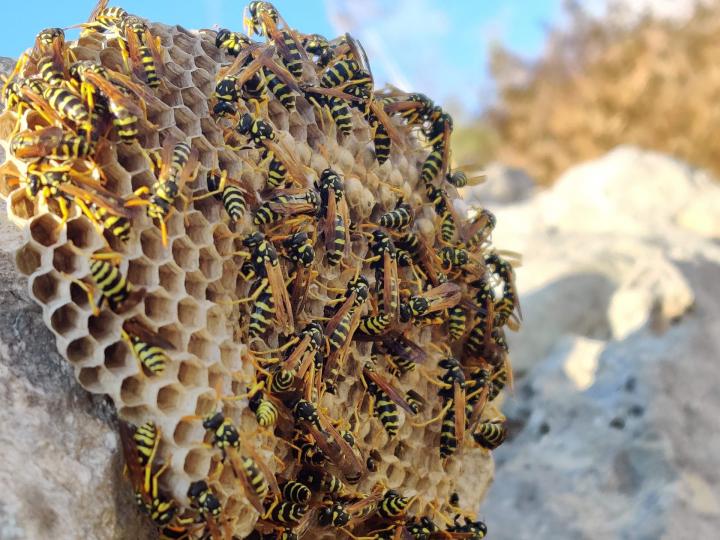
{"x": 437, "y": 47}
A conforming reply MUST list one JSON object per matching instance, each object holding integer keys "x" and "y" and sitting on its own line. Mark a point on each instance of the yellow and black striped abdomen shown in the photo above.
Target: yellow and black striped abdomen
{"x": 431, "y": 167}
{"x": 448, "y": 441}
{"x": 296, "y": 492}
{"x": 145, "y": 438}
{"x": 457, "y": 320}
{"x": 149, "y": 67}
{"x": 374, "y": 325}
{"x": 288, "y": 513}
{"x": 340, "y": 113}
{"x": 263, "y": 309}
{"x": 66, "y": 104}
{"x": 335, "y": 254}
{"x": 152, "y": 357}
{"x": 490, "y": 435}
{"x": 387, "y": 412}
{"x": 338, "y": 336}
{"x": 234, "y": 202}
{"x": 338, "y": 73}
{"x": 255, "y": 477}
{"x": 113, "y": 286}
{"x": 292, "y": 58}
{"x": 280, "y": 90}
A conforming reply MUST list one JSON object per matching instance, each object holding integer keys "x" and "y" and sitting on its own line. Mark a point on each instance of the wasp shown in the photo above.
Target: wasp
{"x": 342, "y": 326}
{"x": 51, "y": 143}
{"x": 435, "y": 299}
{"x": 415, "y": 109}
{"x": 262, "y": 134}
{"x": 299, "y": 249}
{"x": 318, "y": 46}
{"x": 475, "y": 529}
{"x": 321, "y": 480}
{"x": 385, "y": 397}
{"x": 202, "y": 497}
{"x": 459, "y": 179}
{"x": 114, "y": 288}
{"x": 335, "y": 214}
{"x": 508, "y": 304}
{"x": 287, "y": 205}
{"x": 295, "y": 491}
{"x": 399, "y": 218}
{"x": 374, "y": 325}
{"x": 392, "y": 504}
{"x": 97, "y": 84}
{"x": 57, "y": 182}
{"x": 144, "y": 477}
{"x": 381, "y": 138}
{"x": 480, "y": 228}
{"x": 233, "y": 197}
{"x": 147, "y": 347}
{"x": 384, "y": 262}
{"x": 179, "y": 165}
{"x": 266, "y": 412}
{"x": 264, "y": 19}
{"x": 455, "y": 411}
{"x": 285, "y": 512}
{"x": 457, "y": 322}
{"x": 266, "y": 264}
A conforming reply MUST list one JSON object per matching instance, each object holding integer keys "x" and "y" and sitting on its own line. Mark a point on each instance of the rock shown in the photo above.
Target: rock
{"x": 613, "y": 418}
{"x": 503, "y": 185}
{"x": 61, "y": 467}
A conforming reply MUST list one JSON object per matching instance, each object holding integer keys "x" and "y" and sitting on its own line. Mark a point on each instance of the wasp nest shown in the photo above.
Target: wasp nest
{"x": 299, "y": 310}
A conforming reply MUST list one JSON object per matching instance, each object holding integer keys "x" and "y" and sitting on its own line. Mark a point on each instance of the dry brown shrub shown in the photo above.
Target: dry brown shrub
{"x": 605, "y": 81}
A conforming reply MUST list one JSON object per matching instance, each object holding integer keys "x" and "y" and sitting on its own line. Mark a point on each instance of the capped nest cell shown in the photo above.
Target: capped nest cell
{"x": 256, "y": 256}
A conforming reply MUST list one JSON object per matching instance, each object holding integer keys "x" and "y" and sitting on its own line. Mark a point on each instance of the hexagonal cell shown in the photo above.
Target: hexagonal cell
{"x": 112, "y": 58}
{"x": 159, "y": 307}
{"x": 210, "y": 263}
{"x": 169, "y": 397}
{"x": 142, "y": 179}
{"x": 186, "y": 121}
{"x": 195, "y": 100}
{"x": 46, "y": 287}
{"x": 203, "y": 80}
{"x": 215, "y": 321}
{"x": 190, "y": 374}
{"x": 212, "y": 133}
{"x": 65, "y": 259}
{"x": 64, "y": 319}
{"x": 82, "y": 233}
{"x": 230, "y": 356}
{"x": 162, "y": 118}
{"x": 195, "y": 285}
{"x": 142, "y": 273}
{"x": 205, "y": 404}
{"x": 172, "y": 334}
{"x": 90, "y": 379}
{"x": 117, "y": 357}
{"x": 198, "y": 229}
{"x": 44, "y": 229}
{"x": 151, "y": 243}
{"x": 184, "y": 43}
{"x": 81, "y": 350}
{"x": 171, "y": 278}
{"x": 175, "y": 223}
{"x": 188, "y": 432}
{"x": 188, "y": 312}
{"x": 132, "y": 390}
{"x": 130, "y": 159}
{"x": 200, "y": 345}
{"x": 135, "y": 415}
{"x": 197, "y": 463}
{"x": 185, "y": 254}
{"x": 172, "y": 97}
{"x": 9, "y": 178}
{"x": 79, "y": 296}
{"x": 28, "y": 259}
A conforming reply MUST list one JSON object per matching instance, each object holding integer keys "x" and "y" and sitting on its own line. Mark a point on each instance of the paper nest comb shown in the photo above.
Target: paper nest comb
{"x": 189, "y": 286}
